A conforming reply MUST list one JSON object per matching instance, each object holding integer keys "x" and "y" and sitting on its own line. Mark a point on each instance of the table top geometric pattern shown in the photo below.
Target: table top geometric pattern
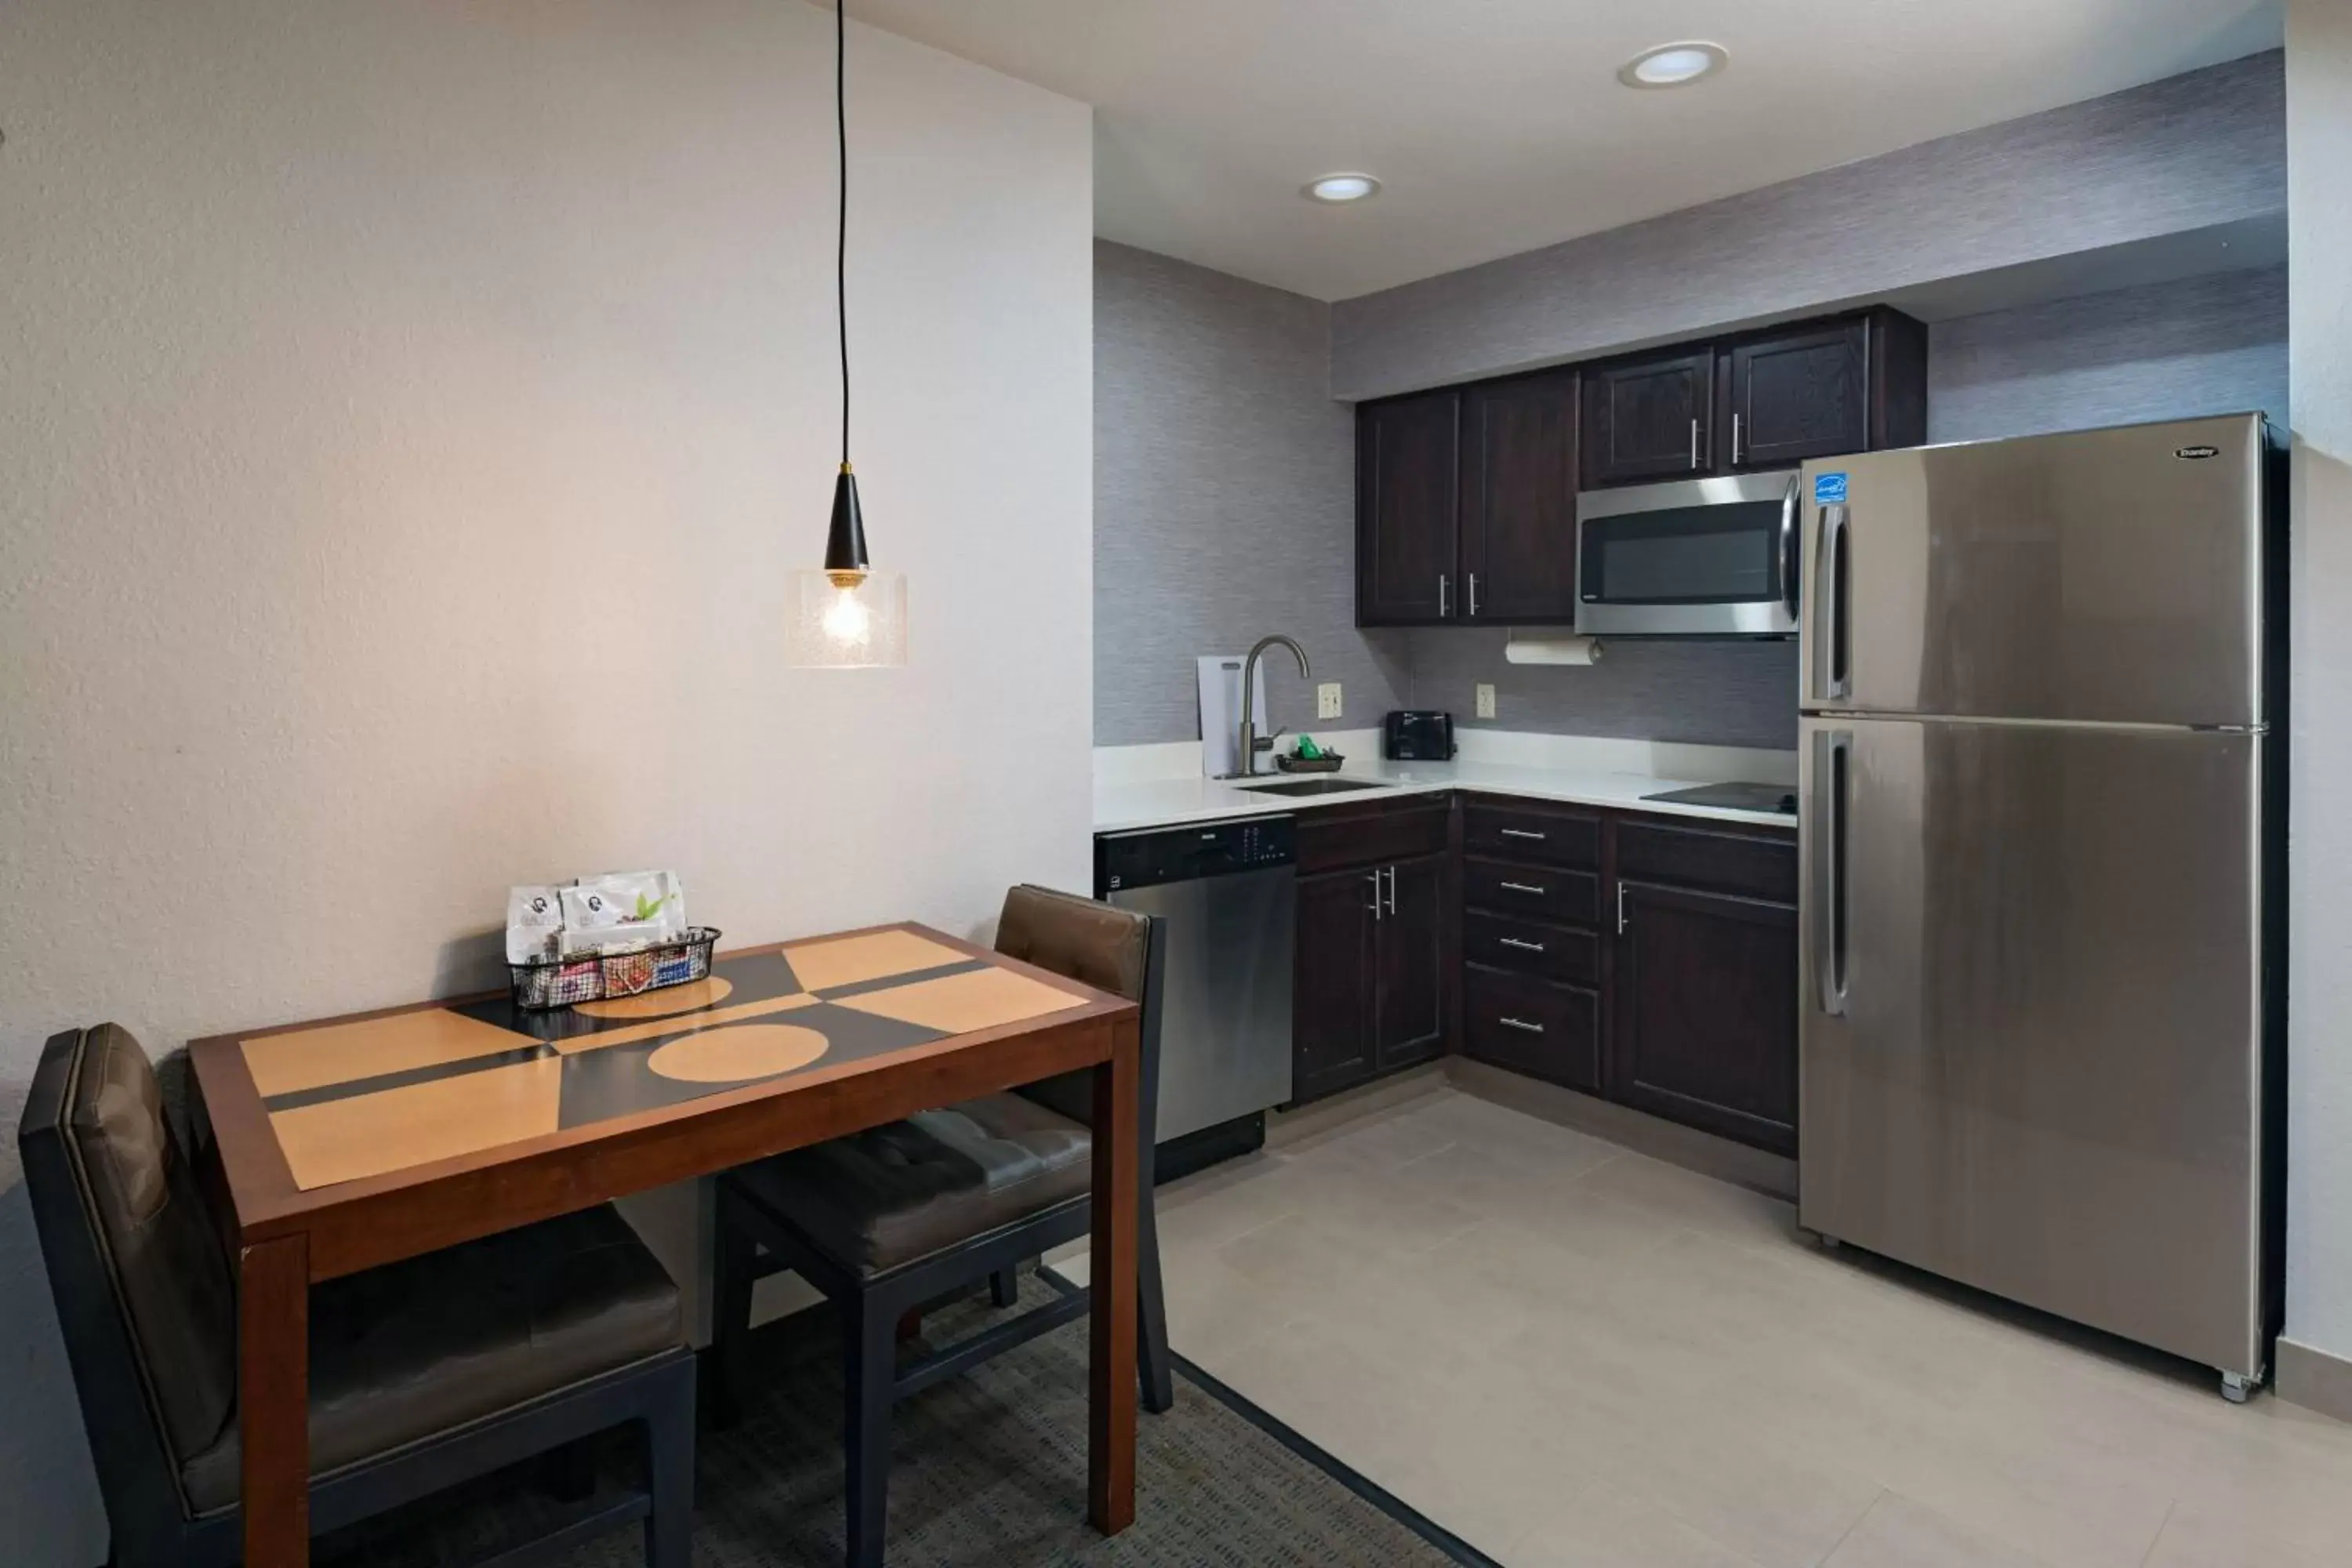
{"x": 373, "y": 1096}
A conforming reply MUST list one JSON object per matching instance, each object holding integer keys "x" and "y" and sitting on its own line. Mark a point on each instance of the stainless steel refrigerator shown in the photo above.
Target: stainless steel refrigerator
{"x": 2041, "y": 821}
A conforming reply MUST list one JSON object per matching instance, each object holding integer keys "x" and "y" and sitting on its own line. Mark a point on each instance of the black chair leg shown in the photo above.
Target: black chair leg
{"x": 1151, "y": 1316}
{"x": 669, "y": 1478}
{"x": 871, "y": 1366}
{"x": 732, "y": 1278}
{"x": 1004, "y": 1287}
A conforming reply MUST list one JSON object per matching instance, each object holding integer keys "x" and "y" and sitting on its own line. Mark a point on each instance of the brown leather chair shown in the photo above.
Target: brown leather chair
{"x": 897, "y": 1217}
{"x": 423, "y": 1374}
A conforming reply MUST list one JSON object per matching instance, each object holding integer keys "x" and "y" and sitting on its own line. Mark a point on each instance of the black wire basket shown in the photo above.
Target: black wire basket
{"x": 547, "y": 982}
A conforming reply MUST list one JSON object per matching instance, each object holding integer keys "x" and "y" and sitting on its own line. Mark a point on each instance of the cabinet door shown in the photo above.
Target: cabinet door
{"x": 1649, "y": 419}
{"x": 1704, "y": 1002}
{"x": 1332, "y": 1006}
{"x": 1798, "y": 394}
{"x": 1408, "y": 510}
{"x": 1518, "y": 499}
{"x": 1409, "y": 988}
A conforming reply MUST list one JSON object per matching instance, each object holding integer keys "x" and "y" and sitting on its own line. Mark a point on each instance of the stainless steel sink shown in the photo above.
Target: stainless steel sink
{"x": 1324, "y": 785}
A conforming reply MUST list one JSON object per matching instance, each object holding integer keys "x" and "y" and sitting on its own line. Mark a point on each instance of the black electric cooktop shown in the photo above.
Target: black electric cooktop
{"x": 1734, "y": 797}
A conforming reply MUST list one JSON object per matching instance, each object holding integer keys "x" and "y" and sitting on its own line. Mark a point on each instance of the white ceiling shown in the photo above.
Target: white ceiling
{"x": 1499, "y": 125}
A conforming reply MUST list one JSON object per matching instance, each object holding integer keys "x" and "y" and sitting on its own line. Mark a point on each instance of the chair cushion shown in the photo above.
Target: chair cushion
{"x": 163, "y": 1246}
{"x": 1106, "y": 948}
{"x": 892, "y": 1193}
{"x": 414, "y": 1348}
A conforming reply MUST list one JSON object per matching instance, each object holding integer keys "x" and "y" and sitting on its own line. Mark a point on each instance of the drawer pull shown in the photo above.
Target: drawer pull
{"x": 1522, "y": 946}
{"x": 1521, "y": 1023}
{"x": 1522, "y": 833}
{"x": 1522, "y": 887}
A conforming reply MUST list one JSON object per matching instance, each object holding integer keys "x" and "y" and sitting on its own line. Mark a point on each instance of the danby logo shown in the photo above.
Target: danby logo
{"x": 2196, "y": 454}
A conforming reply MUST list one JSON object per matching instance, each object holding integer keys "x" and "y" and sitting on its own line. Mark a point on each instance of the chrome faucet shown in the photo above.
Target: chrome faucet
{"x": 1247, "y": 752}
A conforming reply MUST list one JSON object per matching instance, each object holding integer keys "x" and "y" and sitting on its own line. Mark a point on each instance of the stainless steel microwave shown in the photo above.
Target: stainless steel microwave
{"x": 1692, "y": 558}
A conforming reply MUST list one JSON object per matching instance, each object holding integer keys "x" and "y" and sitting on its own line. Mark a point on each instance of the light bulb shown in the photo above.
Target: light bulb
{"x": 847, "y": 619}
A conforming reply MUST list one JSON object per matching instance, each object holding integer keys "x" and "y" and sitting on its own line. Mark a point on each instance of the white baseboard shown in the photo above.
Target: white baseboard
{"x": 2314, "y": 1378}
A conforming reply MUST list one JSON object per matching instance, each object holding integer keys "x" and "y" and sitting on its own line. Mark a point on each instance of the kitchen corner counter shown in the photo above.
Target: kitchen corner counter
{"x": 1124, "y": 804}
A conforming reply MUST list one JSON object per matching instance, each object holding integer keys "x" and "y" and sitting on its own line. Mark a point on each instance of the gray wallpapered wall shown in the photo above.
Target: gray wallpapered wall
{"x": 2164, "y": 350}
{"x": 1224, "y": 499}
{"x": 2189, "y": 151}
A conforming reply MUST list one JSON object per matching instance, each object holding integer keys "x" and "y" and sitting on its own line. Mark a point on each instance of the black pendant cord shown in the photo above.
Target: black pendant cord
{"x": 841, "y": 236}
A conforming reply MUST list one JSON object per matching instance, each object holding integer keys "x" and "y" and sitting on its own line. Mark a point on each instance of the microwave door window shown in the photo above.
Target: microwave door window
{"x": 1705, "y": 555}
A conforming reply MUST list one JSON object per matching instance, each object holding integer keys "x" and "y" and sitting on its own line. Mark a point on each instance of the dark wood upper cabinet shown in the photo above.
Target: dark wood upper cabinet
{"x": 1408, "y": 510}
{"x": 1855, "y": 385}
{"x": 1331, "y": 998}
{"x": 1409, "y": 993}
{"x": 1518, "y": 499}
{"x": 1649, "y": 419}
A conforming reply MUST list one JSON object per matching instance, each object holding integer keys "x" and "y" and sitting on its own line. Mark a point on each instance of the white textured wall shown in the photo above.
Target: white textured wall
{"x": 407, "y": 415}
{"x": 2319, "y": 292}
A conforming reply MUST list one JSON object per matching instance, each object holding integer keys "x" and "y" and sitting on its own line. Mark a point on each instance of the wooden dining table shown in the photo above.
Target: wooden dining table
{"x": 350, "y": 1142}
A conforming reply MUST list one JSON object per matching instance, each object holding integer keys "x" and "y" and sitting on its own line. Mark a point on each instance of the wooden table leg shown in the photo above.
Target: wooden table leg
{"x": 1110, "y": 1275}
{"x": 273, "y": 1399}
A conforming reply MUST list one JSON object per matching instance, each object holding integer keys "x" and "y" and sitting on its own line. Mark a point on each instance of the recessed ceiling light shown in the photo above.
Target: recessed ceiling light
{"x": 1343, "y": 188}
{"x": 1672, "y": 65}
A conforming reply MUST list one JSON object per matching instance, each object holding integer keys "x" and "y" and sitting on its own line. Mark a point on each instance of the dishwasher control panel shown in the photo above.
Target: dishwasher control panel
{"x": 1127, "y": 860}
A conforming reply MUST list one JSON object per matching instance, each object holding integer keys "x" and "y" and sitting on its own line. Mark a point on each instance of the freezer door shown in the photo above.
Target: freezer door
{"x": 2107, "y": 576}
{"x": 2031, "y": 1036}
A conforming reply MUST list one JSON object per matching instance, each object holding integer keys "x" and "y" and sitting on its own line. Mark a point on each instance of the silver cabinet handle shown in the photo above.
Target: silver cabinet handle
{"x": 1391, "y": 890}
{"x": 1621, "y": 909}
{"x": 1442, "y": 586}
{"x": 1735, "y": 440}
{"x": 1522, "y": 1025}
{"x": 1522, "y": 833}
{"x": 1474, "y": 593}
{"x": 1522, "y": 887}
{"x": 1522, "y": 946}
{"x": 1694, "y": 443}
{"x": 1374, "y": 879}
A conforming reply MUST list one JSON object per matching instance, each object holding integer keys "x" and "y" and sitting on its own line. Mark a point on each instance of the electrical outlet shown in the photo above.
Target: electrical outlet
{"x": 1485, "y": 701}
{"x": 1327, "y": 700}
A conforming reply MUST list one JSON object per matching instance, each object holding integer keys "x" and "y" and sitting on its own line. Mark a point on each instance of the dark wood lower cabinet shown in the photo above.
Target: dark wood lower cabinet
{"x": 1546, "y": 1031}
{"x": 1409, "y": 987}
{"x": 1331, "y": 996}
{"x": 1703, "y": 1005}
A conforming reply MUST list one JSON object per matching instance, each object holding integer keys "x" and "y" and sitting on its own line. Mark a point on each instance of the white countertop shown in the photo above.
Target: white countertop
{"x": 1125, "y": 804}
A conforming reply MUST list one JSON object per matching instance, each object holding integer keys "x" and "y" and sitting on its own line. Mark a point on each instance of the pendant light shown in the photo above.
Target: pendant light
{"x": 845, "y": 614}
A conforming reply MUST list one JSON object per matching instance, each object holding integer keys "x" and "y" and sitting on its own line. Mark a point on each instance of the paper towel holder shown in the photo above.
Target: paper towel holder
{"x": 1569, "y": 650}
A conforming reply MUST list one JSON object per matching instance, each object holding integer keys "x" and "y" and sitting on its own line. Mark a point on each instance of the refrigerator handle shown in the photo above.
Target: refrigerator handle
{"x": 1832, "y": 763}
{"x": 1834, "y": 575}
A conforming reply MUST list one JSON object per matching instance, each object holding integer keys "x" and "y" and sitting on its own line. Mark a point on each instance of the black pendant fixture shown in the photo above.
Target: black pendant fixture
{"x": 845, "y": 614}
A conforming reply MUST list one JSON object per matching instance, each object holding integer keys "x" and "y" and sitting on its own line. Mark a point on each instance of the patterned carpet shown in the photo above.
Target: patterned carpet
{"x": 988, "y": 1470}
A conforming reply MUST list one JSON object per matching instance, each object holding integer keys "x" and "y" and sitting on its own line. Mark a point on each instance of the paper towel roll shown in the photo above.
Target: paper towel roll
{"x": 1553, "y": 650}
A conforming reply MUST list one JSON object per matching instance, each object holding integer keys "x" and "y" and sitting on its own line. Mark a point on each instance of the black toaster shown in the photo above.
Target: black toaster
{"x": 1417, "y": 735}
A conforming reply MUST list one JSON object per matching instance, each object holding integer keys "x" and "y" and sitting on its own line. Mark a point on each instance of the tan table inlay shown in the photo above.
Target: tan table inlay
{"x": 845, "y": 960}
{"x": 977, "y": 999}
{"x": 737, "y": 1053}
{"x": 345, "y": 1053}
{"x": 662, "y": 1003}
{"x": 369, "y": 1134}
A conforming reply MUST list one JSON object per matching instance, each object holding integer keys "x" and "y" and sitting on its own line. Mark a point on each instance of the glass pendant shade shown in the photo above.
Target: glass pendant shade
{"x": 846, "y": 620}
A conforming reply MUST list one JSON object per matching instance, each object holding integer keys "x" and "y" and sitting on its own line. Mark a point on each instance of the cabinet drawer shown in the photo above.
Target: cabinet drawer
{"x": 1548, "y": 952}
{"x": 1524, "y": 833}
{"x": 1758, "y": 868}
{"x": 1549, "y": 1031}
{"x": 1330, "y": 839}
{"x": 1532, "y": 892}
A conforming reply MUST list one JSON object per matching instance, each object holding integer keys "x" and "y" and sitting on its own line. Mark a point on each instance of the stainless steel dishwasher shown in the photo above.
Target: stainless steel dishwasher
{"x": 1229, "y": 894}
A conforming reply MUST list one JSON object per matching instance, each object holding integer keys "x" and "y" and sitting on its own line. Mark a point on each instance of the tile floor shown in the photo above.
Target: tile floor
{"x": 1569, "y": 1352}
